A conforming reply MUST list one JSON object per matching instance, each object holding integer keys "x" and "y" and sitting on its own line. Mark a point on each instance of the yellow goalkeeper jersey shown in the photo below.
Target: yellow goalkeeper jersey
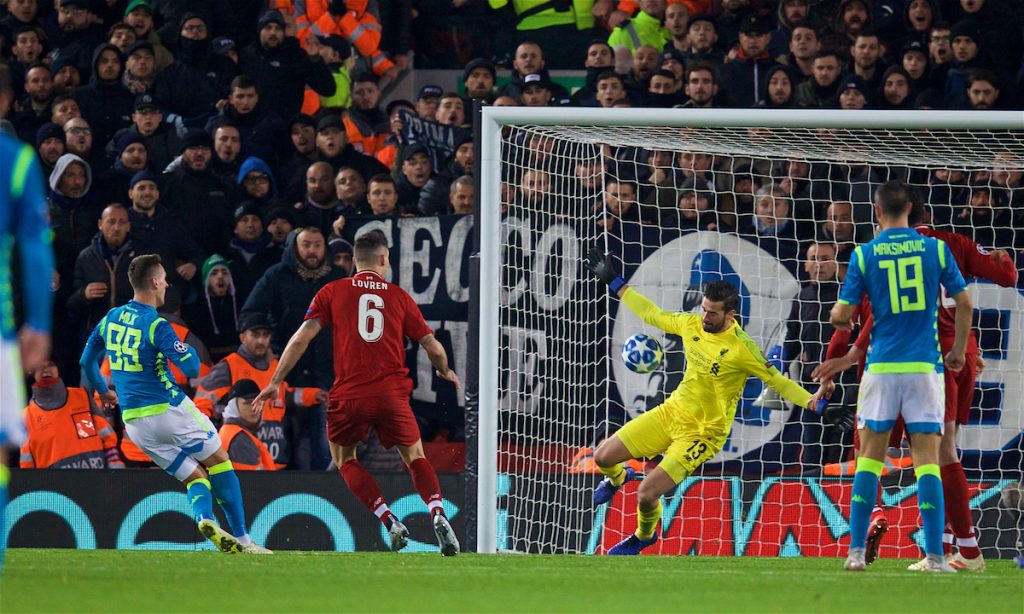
{"x": 717, "y": 367}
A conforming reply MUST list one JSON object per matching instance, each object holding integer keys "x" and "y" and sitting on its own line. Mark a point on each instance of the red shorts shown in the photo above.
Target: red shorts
{"x": 960, "y": 391}
{"x": 348, "y": 421}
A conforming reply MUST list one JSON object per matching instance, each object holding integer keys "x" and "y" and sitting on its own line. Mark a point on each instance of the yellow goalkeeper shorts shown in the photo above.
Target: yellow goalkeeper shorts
{"x": 683, "y": 450}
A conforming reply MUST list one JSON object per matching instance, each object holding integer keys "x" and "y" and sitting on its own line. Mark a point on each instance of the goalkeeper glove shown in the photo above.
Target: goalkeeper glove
{"x": 601, "y": 266}
{"x": 839, "y": 416}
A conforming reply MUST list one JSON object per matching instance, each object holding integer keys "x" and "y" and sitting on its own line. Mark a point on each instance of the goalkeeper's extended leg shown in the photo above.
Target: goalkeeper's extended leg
{"x": 657, "y": 483}
{"x": 610, "y": 457}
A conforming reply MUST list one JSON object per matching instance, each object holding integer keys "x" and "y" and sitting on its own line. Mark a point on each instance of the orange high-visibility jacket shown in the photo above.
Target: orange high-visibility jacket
{"x": 695, "y": 7}
{"x": 273, "y": 412}
{"x": 69, "y": 437}
{"x": 358, "y": 27}
{"x": 228, "y": 432}
{"x": 368, "y": 144}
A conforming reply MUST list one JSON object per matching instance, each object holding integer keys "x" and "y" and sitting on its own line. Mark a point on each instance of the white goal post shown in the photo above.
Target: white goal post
{"x": 894, "y": 141}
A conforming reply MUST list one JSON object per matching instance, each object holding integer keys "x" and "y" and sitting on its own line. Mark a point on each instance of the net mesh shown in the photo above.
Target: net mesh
{"x": 776, "y": 212}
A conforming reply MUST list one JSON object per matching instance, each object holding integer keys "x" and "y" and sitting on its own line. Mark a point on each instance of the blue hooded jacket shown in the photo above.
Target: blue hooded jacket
{"x": 254, "y": 164}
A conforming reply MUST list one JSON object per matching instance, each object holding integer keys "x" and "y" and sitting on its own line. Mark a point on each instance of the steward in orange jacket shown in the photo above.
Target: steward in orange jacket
{"x": 253, "y": 361}
{"x": 65, "y": 431}
{"x": 238, "y": 435}
{"x": 348, "y": 19}
{"x": 366, "y": 123}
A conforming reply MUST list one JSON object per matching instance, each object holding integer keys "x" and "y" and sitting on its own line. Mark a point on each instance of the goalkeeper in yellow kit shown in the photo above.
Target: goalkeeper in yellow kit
{"x": 693, "y": 424}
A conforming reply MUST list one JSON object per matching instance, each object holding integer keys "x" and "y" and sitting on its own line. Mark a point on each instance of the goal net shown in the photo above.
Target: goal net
{"x": 773, "y": 202}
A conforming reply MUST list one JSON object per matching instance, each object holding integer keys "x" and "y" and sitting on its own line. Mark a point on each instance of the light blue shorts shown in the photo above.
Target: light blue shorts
{"x": 919, "y": 397}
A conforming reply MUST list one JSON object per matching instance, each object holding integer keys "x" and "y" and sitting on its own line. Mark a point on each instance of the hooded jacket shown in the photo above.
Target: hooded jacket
{"x": 77, "y": 47}
{"x": 107, "y": 105}
{"x": 912, "y": 34}
{"x": 197, "y": 71}
{"x": 282, "y": 74}
{"x": 908, "y": 102}
{"x": 164, "y": 234}
{"x": 203, "y": 202}
{"x": 284, "y": 296}
{"x": 254, "y": 164}
{"x": 742, "y": 80}
{"x": 161, "y": 147}
{"x": 839, "y": 26}
{"x": 262, "y": 133}
{"x": 433, "y": 199}
{"x": 215, "y": 319}
{"x": 765, "y": 101}
{"x": 73, "y": 220}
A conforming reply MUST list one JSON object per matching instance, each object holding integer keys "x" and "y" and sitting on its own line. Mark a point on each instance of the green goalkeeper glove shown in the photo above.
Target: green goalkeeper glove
{"x": 601, "y": 266}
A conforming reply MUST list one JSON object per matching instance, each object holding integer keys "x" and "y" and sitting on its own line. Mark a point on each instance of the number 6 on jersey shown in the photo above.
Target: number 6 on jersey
{"x": 371, "y": 318}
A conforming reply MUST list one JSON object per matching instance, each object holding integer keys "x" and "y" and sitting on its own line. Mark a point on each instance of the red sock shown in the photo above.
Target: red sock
{"x": 363, "y": 486}
{"x": 424, "y": 479}
{"x": 958, "y": 511}
{"x": 878, "y": 495}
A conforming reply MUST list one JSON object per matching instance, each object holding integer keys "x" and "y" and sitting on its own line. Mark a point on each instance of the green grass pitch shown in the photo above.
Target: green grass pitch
{"x": 122, "y": 581}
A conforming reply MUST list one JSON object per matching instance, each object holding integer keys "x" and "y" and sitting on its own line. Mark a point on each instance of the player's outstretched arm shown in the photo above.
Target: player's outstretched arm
{"x": 292, "y": 353}
{"x": 601, "y": 266}
{"x": 439, "y": 359}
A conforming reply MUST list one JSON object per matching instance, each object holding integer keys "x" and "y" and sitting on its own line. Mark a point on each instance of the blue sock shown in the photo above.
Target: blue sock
{"x": 930, "y": 501}
{"x": 229, "y": 495}
{"x": 862, "y": 500}
{"x": 201, "y": 498}
{"x": 5, "y": 477}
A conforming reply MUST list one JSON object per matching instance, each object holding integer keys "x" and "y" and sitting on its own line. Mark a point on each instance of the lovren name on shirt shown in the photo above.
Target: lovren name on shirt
{"x": 370, "y": 284}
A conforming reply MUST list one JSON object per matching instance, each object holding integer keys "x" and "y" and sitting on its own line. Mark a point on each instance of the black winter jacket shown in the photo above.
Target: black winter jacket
{"x": 91, "y": 267}
{"x": 194, "y": 82}
{"x": 284, "y": 297}
{"x": 204, "y": 203}
{"x": 282, "y": 74}
{"x": 107, "y": 106}
{"x": 433, "y": 198}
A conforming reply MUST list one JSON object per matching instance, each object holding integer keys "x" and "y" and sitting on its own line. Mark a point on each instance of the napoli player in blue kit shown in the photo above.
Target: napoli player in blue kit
{"x": 901, "y": 270}
{"x": 158, "y": 417}
{"x": 22, "y": 223}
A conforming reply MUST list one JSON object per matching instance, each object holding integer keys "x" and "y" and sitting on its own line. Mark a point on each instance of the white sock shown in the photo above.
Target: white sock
{"x": 245, "y": 540}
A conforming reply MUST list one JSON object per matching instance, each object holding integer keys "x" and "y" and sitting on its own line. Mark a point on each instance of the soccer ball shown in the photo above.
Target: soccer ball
{"x": 642, "y": 354}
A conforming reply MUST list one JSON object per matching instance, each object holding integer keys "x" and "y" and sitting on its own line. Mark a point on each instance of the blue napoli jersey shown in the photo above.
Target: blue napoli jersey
{"x": 23, "y": 223}
{"x": 138, "y": 343}
{"x": 901, "y": 272}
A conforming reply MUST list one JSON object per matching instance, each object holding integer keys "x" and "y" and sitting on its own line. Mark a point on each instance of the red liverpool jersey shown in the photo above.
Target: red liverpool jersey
{"x": 369, "y": 319}
{"x": 974, "y": 261}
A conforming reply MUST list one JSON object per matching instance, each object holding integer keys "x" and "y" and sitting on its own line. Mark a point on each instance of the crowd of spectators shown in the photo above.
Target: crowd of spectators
{"x": 211, "y": 132}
